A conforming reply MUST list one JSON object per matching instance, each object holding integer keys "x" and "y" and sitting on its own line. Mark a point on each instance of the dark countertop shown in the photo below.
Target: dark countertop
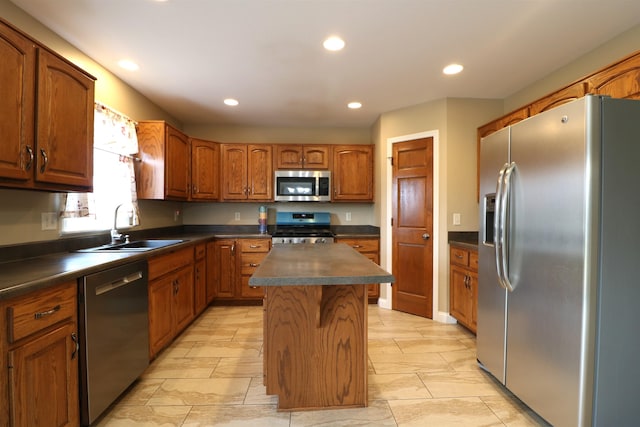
{"x": 308, "y": 264}
{"x": 464, "y": 239}
{"x": 29, "y": 267}
{"x": 21, "y": 276}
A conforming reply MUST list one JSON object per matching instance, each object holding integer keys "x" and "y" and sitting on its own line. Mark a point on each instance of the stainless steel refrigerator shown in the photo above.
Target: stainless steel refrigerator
{"x": 559, "y": 250}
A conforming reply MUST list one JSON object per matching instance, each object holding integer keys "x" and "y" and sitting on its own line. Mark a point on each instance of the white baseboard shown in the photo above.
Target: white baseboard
{"x": 444, "y": 317}
{"x": 440, "y": 316}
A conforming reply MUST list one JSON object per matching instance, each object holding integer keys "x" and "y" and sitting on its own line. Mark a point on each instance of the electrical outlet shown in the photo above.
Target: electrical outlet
{"x": 176, "y": 215}
{"x": 348, "y": 215}
{"x": 49, "y": 220}
{"x": 237, "y": 216}
{"x": 456, "y": 219}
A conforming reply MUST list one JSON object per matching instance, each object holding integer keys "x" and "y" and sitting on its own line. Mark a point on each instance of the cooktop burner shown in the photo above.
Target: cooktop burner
{"x": 302, "y": 227}
{"x": 301, "y": 232}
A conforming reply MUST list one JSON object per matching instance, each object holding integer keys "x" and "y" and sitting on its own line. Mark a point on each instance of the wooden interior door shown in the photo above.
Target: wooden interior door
{"x": 412, "y": 205}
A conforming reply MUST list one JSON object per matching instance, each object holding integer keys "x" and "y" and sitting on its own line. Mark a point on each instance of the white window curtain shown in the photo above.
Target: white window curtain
{"x": 115, "y": 142}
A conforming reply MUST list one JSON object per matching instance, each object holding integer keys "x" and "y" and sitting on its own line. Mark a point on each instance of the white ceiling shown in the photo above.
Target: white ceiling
{"x": 268, "y": 53}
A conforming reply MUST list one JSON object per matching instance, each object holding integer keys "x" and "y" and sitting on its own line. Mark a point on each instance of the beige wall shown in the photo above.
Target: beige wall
{"x": 20, "y": 216}
{"x": 456, "y": 122}
{"x": 598, "y": 58}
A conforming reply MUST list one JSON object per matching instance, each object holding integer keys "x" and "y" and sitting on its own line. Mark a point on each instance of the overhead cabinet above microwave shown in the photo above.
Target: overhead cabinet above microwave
{"x": 313, "y": 157}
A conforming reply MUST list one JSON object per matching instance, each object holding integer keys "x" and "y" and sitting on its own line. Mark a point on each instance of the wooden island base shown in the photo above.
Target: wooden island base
{"x": 315, "y": 346}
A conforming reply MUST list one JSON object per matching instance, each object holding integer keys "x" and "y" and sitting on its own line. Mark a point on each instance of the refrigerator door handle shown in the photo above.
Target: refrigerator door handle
{"x": 497, "y": 225}
{"x": 506, "y": 190}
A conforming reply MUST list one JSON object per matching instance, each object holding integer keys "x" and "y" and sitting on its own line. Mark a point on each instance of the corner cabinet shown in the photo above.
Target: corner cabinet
{"x": 233, "y": 263}
{"x": 463, "y": 286}
{"x": 352, "y": 178}
{"x": 39, "y": 358}
{"x": 369, "y": 247}
{"x": 164, "y": 173}
{"x": 47, "y": 113}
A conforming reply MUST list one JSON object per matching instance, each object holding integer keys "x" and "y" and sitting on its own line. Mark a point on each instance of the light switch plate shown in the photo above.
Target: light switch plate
{"x": 456, "y": 219}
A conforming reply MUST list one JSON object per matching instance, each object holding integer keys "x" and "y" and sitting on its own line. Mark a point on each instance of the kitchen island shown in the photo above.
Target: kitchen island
{"x": 315, "y": 324}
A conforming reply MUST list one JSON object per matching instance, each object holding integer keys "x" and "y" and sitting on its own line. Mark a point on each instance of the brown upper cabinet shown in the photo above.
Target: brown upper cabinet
{"x": 205, "y": 170}
{"x": 47, "y": 117}
{"x": 164, "y": 172}
{"x": 622, "y": 80}
{"x": 290, "y": 156}
{"x": 562, "y": 96}
{"x": 247, "y": 172}
{"x": 352, "y": 177}
{"x": 618, "y": 80}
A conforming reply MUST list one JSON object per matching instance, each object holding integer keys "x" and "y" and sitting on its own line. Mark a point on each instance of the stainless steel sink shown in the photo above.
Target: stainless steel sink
{"x": 135, "y": 246}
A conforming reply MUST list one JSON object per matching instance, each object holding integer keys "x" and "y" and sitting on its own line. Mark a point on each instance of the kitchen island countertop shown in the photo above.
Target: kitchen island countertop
{"x": 309, "y": 264}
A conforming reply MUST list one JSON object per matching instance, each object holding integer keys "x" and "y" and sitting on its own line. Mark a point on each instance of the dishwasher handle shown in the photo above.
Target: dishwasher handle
{"x": 108, "y": 287}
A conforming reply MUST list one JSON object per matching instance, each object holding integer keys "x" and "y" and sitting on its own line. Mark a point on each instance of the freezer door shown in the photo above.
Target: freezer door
{"x": 546, "y": 262}
{"x": 492, "y": 298}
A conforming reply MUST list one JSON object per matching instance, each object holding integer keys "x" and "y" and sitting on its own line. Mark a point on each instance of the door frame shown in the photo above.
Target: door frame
{"x": 438, "y": 315}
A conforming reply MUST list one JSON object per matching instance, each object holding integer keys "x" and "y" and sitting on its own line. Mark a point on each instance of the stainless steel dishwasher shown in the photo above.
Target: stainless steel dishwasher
{"x": 114, "y": 335}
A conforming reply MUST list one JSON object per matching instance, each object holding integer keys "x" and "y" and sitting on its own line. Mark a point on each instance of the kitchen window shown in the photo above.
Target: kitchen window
{"x": 115, "y": 142}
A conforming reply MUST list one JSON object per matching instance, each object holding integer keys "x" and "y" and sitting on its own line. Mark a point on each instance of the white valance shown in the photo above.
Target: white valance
{"x": 113, "y": 131}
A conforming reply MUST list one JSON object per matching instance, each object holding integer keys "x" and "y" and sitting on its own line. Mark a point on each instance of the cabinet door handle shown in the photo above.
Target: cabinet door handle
{"x": 255, "y": 246}
{"x": 42, "y": 314}
{"x": 458, "y": 256}
{"x": 356, "y": 246}
{"x": 233, "y": 248}
{"x": 45, "y": 160}
{"x": 252, "y": 264}
{"x": 30, "y": 161}
{"x": 76, "y": 347}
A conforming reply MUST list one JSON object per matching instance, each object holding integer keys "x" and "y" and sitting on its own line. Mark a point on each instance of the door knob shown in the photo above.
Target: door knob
{"x": 425, "y": 236}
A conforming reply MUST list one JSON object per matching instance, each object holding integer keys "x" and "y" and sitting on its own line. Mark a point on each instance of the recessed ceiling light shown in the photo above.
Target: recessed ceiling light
{"x": 354, "y": 105}
{"x": 231, "y": 102}
{"x": 128, "y": 65}
{"x": 333, "y": 43}
{"x": 452, "y": 69}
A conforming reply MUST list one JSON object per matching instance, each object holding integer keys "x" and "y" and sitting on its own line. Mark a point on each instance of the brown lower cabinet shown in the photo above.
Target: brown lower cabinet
{"x": 39, "y": 333}
{"x": 171, "y": 297}
{"x": 233, "y": 262}
{"x": 463, "y": 286}
{"x": 200, "y": 278}
{"x": 369, "y": 247}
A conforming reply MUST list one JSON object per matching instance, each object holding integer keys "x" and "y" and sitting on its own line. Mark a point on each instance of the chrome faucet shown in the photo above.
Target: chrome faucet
{"x": 116, "y": 236}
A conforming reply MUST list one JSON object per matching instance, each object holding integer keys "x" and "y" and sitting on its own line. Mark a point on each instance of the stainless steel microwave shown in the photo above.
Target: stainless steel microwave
{"x": 302, "y": 186}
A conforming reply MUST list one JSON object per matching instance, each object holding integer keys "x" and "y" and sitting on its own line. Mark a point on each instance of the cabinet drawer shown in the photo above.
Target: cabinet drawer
{"x": 361, "y": 245}
{"x": 473, "y": 260}
{"x": 459, "y": 256}
{"x": 163, "y": 264}
{"x": 254, "y": 245}
{"x": 32, "y": 313}
{"x": 201, "y": 250}
{"x": 250, "y": 261}
{"x": 248, "y": 291}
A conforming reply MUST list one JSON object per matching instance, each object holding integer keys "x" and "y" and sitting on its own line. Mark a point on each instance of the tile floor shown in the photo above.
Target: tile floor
{"x": 421, "y": 373}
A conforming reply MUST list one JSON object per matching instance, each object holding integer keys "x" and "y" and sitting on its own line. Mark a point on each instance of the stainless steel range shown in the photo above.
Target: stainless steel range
{"x": 302, "y": 227}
